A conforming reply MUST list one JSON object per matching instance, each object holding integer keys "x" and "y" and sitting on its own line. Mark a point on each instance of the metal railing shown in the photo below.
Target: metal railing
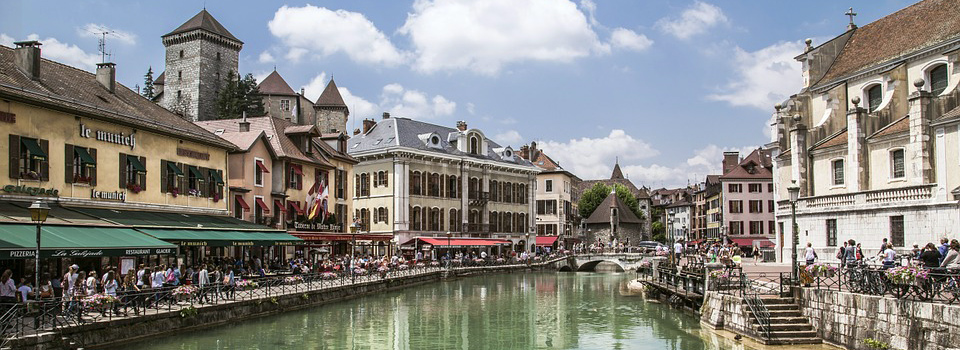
{"x": 938, "y": 285}
{"x": 760, "y": 313}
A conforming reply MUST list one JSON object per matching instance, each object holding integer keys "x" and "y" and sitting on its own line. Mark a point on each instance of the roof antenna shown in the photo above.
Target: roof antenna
{"x": 102, "y": 45}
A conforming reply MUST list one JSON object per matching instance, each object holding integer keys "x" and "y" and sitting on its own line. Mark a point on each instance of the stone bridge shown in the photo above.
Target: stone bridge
{"x": 589, "y": 262}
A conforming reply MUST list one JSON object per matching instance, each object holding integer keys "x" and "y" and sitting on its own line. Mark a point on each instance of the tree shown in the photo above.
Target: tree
{"x": 238, "y": 96}
{"x": 659, "y": 232}
{"x": 591, "y": 199}
{"x": 148, "y": 84}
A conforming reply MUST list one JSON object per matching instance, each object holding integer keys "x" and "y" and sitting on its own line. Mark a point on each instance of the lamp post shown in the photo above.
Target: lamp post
{"x": 38, "y": 213}
{"x": 353, "y": 248}
{"x": 449, "y": 256}
{"x": 794, "y": 190}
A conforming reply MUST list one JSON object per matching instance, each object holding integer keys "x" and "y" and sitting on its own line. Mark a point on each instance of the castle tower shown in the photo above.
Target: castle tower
{"x": 331, "y": 111}
{"x": 200, "y": 54}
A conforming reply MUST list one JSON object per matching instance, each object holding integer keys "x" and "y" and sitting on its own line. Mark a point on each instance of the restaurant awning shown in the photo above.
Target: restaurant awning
{"x": 19, "y": 241}
{"x": 34, "y": 148}
{"x": 137, "y": 165}
{"x": 215, "y": 177}
{"x": 459, "y": 242}
{"x": 85, "y": 156}
{"x": 223, "y": 238}
{"x": 546, "y": 240}
{"x": 196, "y": 172}
{"x": 314, "y": 236}
{"x": 296, "y": 206}
{"x": 243, "y": 203}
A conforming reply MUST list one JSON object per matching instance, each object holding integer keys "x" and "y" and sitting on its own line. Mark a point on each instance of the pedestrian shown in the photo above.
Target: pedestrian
{"x": 810, "y": 255}
{"x": 25, "y": 290}
{"x": 943, "y": 248}
{"x": 46, "y": 288}
{"x": 131, "y": 292}
{"x": 953, "y": 256}
{"x": 889, "y": 257}
{"x": 883, "y": 247}
{"x": 930, "y": 256}
{"x": 8, "y": 289}
{"x": 91, "y": 283}
{"x": 203, "y": 279}
{"x": 850, "y": 253}
{"x": 840, "y": 252}
{"x": 859, "y": 255}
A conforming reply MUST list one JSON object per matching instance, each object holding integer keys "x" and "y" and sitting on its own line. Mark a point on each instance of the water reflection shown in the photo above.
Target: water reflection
{"x": 512, "y": 311}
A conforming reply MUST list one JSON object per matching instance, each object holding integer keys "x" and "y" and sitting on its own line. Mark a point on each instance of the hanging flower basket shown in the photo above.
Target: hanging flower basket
{"x": 906, "y": 275}
{"x": 292, "y": 280}
{"x": 328, "y": 275}
{"x": 134, "y": 188}
{"x": 247, "y": 285}
{"x": 821, "y": 270}
{"x": 98, "y": 300}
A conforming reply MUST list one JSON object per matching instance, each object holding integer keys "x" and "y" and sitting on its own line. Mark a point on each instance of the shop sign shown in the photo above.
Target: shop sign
{"x": 193, "y": 243}
{"x": 104, "y": 136}
{"x": 112, "y": 196}
{"x": 31, "y": 191}
{"x": 242, "y": 244}
{"x": 311, "y": 226}
{"x": 8, "y": 117}
{"x": 192, "y": 154}
{"x": 426, "y": 247}
{"x": 84, "y": 253}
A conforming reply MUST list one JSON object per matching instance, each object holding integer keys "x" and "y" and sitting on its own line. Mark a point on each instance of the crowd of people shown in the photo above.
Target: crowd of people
{"x": 946, "y": 255}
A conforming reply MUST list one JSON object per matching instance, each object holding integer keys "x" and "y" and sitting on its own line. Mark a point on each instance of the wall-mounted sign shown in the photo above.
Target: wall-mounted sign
{"x": 83, "y": 253}
{"x": 117, "y": 138}
{"x": 310, "y": 226}
{"x": 32, "y": 191}
{"x": 112, "y": 196}
{"x": 7, "y": 117}
{"x": 192, "y": 154}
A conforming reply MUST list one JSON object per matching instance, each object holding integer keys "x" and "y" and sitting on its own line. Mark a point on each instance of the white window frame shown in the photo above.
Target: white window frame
{"x": 891, "y": 164}
{"x": 548, "y": 185}
{"x": 928, "y": 82}
{"x": 865, "y": 94}
{"x": 285, "y": 105}
{"x": 256, "y": 169}
{"x": 833, "y": 173}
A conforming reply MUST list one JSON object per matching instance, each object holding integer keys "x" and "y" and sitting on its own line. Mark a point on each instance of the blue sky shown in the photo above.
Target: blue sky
{"x": 665, "y": 86}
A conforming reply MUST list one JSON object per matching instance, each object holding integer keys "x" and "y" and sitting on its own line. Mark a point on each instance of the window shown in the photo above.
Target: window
{"x": 831, "y": 232}
{"x": 896, "y": 164}
{"x": 736, "y": 207}
{"x": 433, "y": 185}
{"x": 237, "y": 208}
{"x": 81, "y": 165}
{"x": 382, "y": 215}
{"x": 295, "y": 177}
{"x": 218, "y": 57}
{"x": 172, "y": 175}
{"x": 181, "y": 53}
{"x": 756, "y": 227}
{"x": 771, "y": 207}
{"x": 258, "y": 172}
{"x": 133, "y": 173}
{"x": 548, "y": 185}
{"x": 285, "y": 105}
{"x": 258, "y": 211}
{"x": 896, "y": 230}
{"x": 474, "y": 145}
{"x": 755, "y": 188}
{"x": 838, "y": 172}
{"x": 381, "y": 179}
{"x": 179, "y": 75}
{"x": 874, "y": 97}
{"x": 179, "y": 95}
{"x": 341, "y": 179}
{"x": 735, "y": 188}
{"x": 453, "y": 187}
{"x": 456, "y": 221}
{"x": 770, "y": 187}
{"x": 547, "y": 207}
{"x": 938, "y": 79}
{"x": 756, "y": 206}
{"x": 195, "y": 180}
{"x": 416, "y": 183}
{"x": 772, "y": 227}
{"x": 28, "y": 158}
{"x": 416, "y": 219}
{"x": 736, "y": 227}
{"x": 364, "y": 185}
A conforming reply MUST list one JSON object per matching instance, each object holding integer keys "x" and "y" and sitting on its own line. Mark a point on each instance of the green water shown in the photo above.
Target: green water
{"x": 508, "y": 311}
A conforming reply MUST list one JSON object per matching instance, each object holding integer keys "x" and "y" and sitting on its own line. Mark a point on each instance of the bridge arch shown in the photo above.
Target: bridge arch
{"x": 591, "y": 266}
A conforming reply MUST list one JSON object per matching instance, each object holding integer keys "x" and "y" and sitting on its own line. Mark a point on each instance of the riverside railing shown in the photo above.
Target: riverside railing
{"x": 905, "y": 283}
{"x": 54, "y": 314}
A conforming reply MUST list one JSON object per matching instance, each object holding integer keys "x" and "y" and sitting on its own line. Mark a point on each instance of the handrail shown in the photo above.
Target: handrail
{"x": 760, "y": 313}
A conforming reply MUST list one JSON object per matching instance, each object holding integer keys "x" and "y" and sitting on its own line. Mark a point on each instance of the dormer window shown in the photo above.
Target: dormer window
{"x": 435, "y": 140}
{"x": 474, "y": 145}
{"x": 938, "y": 79}
{"x": 874, "y": 97}
{"x": 508, "y": 154}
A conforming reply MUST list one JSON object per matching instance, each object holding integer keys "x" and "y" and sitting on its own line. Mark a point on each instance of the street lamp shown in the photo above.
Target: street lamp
{"x": 794, "y": 190}
{"x": 38, "y": 213}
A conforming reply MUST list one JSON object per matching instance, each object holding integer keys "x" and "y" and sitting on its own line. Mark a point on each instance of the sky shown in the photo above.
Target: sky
{"x": 663, "y": 87}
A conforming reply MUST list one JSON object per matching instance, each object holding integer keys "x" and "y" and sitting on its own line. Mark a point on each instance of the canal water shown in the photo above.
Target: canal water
{"x": 505, "y": 311}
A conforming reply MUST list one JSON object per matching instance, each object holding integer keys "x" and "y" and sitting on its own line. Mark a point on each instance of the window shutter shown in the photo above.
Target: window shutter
{"x": 14, "y": 157}
{"x": 220, "y": 187}
{"x": 183, "y": 182}
{"x": 93, "y": 171}
{"x": 68, "y": 164}
{"x": 300, "y": 183}
{"x": 163, "y": 176}
{"x": 143, "y": 175}
{"x": 123, "y": 170}
{"x": 45, "y": 164}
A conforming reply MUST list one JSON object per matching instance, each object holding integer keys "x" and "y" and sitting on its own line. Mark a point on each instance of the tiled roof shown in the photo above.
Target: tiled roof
{"x": 617, "y": 173}
{"x": 756, "y": 165}
{"x": 205, "y": 21}
{"x": 953, "y": 113}
{"x": 899, "y": 126}
{"x": 281, "y": 144}
{"x": 274, "y": 84}
{"x": 301, "y": 129}
{"x": 332, "y": 152}
{"x": 914, "y": 28}
{"x": 70, "y": 89}
{"x": 244, "y": 140}
{"x": 837, "y": 139}
{"x": 331, "y": 96}
{"x": 160, "y": 79}
{"x": 602, "y": 213}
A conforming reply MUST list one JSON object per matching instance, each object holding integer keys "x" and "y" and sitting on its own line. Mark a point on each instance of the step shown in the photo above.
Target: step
{"x": 787, "y": 327}
{"x": 781, "y": 313}
{"x": 793, "y": 341}
{"x": 782, "y": 307}
{"x": 776, "y": 300}
{"x": 793, "y": 334}
{"x": 786, "y": 320}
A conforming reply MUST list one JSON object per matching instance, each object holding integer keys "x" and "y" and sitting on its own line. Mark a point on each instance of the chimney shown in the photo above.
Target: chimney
{"x": 244, "y": 124}
{"x": 730, "y": 161}
{"x": 386, "y": 115}
{"x": 525, "y": 152}
{"x": 356, "y": 132}
{"x": 461, "y": 125}
{"x": 302, "y": 91}
{"x": 27, "y": 55}
{"x": 107, "y": 76}
{"x": 368, "y": 124}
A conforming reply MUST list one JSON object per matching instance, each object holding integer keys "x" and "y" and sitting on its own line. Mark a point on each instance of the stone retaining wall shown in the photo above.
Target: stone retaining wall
{"x": 119, "y": 331}
{"x": 721, "y": 311}
{"x": 847, "y": 319}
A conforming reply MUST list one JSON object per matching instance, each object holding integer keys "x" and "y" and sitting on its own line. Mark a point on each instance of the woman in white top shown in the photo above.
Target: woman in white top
{"x": 110, "y": 284}
{"x": 889, "y": 256}
{"x": 8, "y": 289}
{"x": 952, "y": 260}
{"x": 810, "y": 255}
{"x": 91, "y": 285}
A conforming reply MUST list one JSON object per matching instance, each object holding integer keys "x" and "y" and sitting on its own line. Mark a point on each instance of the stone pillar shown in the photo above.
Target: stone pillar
{"x": 858, "y": 159}
{"x": 919, "y": 160}
{"x": 799, "y": 156}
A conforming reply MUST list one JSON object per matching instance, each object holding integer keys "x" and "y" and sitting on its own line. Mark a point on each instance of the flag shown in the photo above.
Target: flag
{"x": 317, "y": 194}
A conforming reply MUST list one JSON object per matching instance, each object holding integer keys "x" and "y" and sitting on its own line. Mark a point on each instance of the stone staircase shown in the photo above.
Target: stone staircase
{"x": 788, "y": 326}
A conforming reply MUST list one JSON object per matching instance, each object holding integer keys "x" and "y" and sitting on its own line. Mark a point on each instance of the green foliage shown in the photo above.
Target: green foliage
{"x": 148, "y": 84}
{"x": 876, "y": 344}
{"x": 659, "y": 232}
{"x": 238, "y": 96}
{"x": 188, "y": 312}
{"x": 591, "y": 199}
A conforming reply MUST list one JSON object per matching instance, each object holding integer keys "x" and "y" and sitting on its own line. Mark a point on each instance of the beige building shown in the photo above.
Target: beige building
{"x": 556, "y": 204}
{"x": 417, "y": 179}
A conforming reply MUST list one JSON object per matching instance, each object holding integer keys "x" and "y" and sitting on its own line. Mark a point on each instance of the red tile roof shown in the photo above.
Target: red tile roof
{"x": 331, "y": 96}
{"x": 756, "y": 165}
{"x": 281, "y": 144}
{"x": 837, "y": 139}
{"x": 204, "y": 21}
{"x": 899, "y": 126}
{"x": 274, "y": 84}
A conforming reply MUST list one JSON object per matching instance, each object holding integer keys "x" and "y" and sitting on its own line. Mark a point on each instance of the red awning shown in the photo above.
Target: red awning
{"x": 296, "y": 206}
{"x": 263, "y": 205}
{"x": 243, "y": 204}
{"x": 546, "y": 240}
{"x": 313, "y": 236}
{"x": 759, "y": 242}
{"x": 297, "y": 170}
{"x": 262, "y": 167}
{"x": 459, "y": 242}
{"x": 277, "y": 203}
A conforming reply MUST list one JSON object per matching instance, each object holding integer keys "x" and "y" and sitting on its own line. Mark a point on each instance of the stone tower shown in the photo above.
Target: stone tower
{"x": 199, "y": 55}
{"x": 331, "y": 111}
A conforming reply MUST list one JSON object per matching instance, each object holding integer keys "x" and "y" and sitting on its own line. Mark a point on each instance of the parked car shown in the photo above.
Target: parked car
{"x": 651, "y": 244}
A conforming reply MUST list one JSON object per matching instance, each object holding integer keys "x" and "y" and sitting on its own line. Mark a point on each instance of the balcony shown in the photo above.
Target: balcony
{"x": 863, "y": 200}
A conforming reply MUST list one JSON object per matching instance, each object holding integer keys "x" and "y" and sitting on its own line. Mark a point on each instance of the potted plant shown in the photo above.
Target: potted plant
{"x": 32, "y": 175}
{"x": 193, "y": 192}
{"x": 821, "y": 270}
{"x": 174, "y": 192}
{"x": 134, "y": 188}
{"x": 906, "y": 275}
{"x": 216, "y": 197}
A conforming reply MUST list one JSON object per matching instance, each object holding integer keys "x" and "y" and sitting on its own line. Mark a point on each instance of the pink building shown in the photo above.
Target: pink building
{"x": 748, "y": 207}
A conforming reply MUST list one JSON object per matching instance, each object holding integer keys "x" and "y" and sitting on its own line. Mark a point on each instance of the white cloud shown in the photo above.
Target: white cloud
{"x": 627, "y": 39}
{"x": 294, "y": 54}
{"x": 402, "y": 102}
{"x": 359, "y": 107}
{"x": 93, "y": 30}
{"x": 266, "y": 57}
{"x": 763, "y": 77}
{"x": 53, "y": 49}
{"x": 315, "y": 87}
{"x": 483, "y": 36}
{"x": 260, "y": 75}
{"x": 471, "y": 108}
{"x": 509, "y": 137}
{"x": 694, "y": 20}
{"x": 593, "y": 158}
{"x": 325, "y": 32}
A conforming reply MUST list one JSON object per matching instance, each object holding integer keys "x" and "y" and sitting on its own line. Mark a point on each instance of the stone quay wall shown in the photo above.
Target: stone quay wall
{"x": 847, "y": 319}
{"x": 126, "y": 330}
{"x": 721, "y": 311}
